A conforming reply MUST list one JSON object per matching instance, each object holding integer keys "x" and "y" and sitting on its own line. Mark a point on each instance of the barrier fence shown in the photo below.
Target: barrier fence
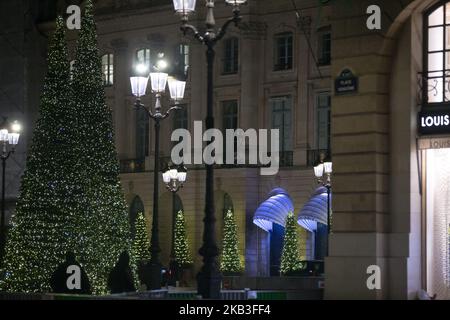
{"x": 152, "y": 295}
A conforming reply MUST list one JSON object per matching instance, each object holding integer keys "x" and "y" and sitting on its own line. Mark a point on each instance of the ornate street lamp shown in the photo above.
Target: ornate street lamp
{"x": 323, "y": 172}
{"x": 159, "y": 81}
{"x": 209, "y": 278}
{"x": 174, "y": 177}
{"x": 9, "y": 138}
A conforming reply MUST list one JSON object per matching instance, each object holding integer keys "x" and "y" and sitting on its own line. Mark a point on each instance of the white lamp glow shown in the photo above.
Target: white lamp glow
{"x": 141, "y": 68}
{"x": 166, "y": 177}
{"x": 16, "y": 127}
{"x": 328, "y": 167}
{"x": 13, "y": 138}
{"x": 176, "y": 89}
{"x": 318, "y": 170}
{"x": 3, "y": 135}
{"x": 173, "y": 173}
{"x": 161, "y": 65}
{"x": 236, "y": 2}
{"x": 138, "y": 86}
{"x": 184, "y": 6}
{"x": 182, "y": 176}
{"x": 159, "y": 81}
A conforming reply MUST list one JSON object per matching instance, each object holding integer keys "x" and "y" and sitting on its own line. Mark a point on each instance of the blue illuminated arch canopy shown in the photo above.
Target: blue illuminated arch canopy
{"x": 274, "y": 210}
{"x": 314, "y": 211}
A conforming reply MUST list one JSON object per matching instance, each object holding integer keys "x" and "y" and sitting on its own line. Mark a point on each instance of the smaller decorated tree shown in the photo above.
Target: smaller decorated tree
{"x": 290, "y": 258}
{"x": 182, "y": 252}
{"x": 230, "y": 262}
{"x": 141, "y": 243}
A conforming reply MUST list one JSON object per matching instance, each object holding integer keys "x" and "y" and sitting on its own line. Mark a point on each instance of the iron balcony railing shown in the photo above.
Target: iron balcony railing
{"x": 433, "y": 88}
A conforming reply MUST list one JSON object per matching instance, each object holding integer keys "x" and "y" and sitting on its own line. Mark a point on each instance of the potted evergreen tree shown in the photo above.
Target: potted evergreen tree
{"x": 183, "y": 257}
{"x": 230, "y": 263}
{"x": 290, "y": 258}
{"x": 141, "y": 246}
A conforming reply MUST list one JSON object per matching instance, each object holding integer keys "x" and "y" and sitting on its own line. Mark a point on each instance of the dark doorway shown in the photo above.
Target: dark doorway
{"x": 276, "y": 247}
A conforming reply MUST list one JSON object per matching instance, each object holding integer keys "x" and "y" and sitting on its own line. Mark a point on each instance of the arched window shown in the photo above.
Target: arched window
{"x": 108, "y": 69}
{"x": 143, "y": 57}
{"x": 437, "y": 55}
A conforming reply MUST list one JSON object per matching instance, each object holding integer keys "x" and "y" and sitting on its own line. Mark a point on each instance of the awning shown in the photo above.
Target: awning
{"x": 314, "y": 211}
{"x": 274, "y": 210}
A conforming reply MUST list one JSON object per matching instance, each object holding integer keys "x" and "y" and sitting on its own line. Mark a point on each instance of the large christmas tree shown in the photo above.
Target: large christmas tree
{"x": 290, "y": 257}
{"x": 141, "y": 243}
{"x": 183, "y": 256}
{"x": 43, "y": 224}
{"x": 230, "y": 260}
{"x": 104, "y": 227}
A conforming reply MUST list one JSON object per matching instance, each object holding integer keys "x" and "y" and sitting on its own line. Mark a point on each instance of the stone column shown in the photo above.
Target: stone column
{"x": 360, "y": 146}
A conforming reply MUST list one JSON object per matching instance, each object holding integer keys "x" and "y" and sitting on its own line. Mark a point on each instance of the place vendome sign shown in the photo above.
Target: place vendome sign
{"x": 346, "y": 83}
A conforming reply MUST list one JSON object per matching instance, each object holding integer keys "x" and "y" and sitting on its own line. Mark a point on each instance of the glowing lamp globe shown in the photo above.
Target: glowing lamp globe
{"x": 184, "y": 7}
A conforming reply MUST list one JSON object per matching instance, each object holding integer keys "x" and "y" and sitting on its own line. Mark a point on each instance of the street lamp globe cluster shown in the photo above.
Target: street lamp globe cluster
{"x": 174, "y": 177}
{"x": 323, "y": 172}
{"x": 9, "y": 138}
{"x": 209, "y": 279}
{"x": 185, "y": 7}
{"x": 159, "y": 82}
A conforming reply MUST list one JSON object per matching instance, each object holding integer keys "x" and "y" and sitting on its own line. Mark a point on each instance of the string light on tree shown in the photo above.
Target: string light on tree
{"x": 141, "y": 244}
{"x": 70, "y": 197}
{"x": 102, "y": 210}
{"x": 183, "y": 256}
{"x": 290, "y": 258}
{"x": 230, "y": 262}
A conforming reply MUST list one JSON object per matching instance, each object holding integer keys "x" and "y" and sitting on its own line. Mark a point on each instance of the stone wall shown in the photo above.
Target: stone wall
{"x": 376, "y": 201}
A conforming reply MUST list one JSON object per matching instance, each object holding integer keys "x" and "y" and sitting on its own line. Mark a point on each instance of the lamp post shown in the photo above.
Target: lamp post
{"x": 323, "y": 174}
{"x": 209, "y": 277}
{"x": 9, "y": 138}
{"x": 174, "y": 178}
{"x": 159, "y": 81}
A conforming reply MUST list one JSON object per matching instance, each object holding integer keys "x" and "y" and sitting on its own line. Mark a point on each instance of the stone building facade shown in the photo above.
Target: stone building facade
{"x": 389, "y": 180}
{"x": 251, "y": 77}
{"x": 388, "y": 199}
